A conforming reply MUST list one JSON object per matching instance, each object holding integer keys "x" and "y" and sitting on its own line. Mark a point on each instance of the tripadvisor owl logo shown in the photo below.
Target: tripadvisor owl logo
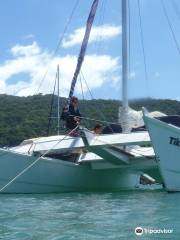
{"x": 139, "y": 231}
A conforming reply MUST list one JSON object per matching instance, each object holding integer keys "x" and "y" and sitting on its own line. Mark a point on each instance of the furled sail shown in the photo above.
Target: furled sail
{"x": 83, "y": 46}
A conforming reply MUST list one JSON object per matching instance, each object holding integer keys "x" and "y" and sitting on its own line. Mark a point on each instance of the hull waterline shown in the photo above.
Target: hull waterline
{"x": 54, "y": 176}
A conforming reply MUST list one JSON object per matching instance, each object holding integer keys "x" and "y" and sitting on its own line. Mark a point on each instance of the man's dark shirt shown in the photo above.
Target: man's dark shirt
{"x": 68, "y": 116}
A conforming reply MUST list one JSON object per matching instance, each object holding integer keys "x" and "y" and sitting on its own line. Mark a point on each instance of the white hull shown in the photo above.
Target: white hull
{"x": 55, "y": 176}
{"x": 167, "y": 151}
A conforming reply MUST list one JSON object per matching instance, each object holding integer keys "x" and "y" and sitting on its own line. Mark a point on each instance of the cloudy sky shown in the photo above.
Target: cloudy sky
{"x": 31, "y": 30}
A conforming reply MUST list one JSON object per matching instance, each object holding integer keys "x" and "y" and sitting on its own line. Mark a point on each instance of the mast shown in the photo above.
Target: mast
{"x": 124, "y": 55}
{"x": 82, "y": 52}
{"x": 123, "y": 117}
{"x": 58, "y": 116}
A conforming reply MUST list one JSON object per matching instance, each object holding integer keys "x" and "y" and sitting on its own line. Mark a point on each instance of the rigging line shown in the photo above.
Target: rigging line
{"x": 83, "y": 48}
{"x": 96, "y": 120}
{"x": 176, "y": 8}
{"x": 60, "y": 42}
{"x": 170, "y": 26}
{"x": 143, "y": 48}
{"x": 35, "y": 161}
{"x": 81, "y": 87}
{"x": 101, "y": 113}
{"x": 87, "y": 85}
{"x": 51, "y": 106}
{"x": 129, "y": 33}
{"x": 98, "y": 45}
{"x": 92, "y": 119}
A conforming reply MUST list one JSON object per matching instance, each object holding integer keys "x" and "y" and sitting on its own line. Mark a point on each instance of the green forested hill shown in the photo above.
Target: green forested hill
{"x": 27, "y": 117}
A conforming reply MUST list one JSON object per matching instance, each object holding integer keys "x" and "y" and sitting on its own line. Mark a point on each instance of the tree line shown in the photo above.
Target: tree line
{"x": 35, "y": 116}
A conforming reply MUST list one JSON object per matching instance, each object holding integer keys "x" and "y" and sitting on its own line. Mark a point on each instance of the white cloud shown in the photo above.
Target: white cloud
{"x": 33, "y": 62}
{"x": 99, "y": 70}
{"x": 28, "y": 50}
{"x": 98, "y": 33}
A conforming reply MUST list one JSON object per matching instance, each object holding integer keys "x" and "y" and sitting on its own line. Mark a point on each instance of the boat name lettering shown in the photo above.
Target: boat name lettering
{"x": 174, "y": 141}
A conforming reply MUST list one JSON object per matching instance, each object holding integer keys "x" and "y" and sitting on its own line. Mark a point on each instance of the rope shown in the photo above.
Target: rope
{"x": 60, "y": 41}
{"x": 176, "y": 8}
{"x": 93, "y": 119}
{"x": 51, "y": 106}
{"x": 99, "y": 110}
{"x": 129, "y": 33}
{"x": 98, "y": 120}
{"x": 170, "y": 26}
{"x": 33, "y": 163}
{"x": 81, "y": 88}
{"x": 91, "y": 95}
{"x": 98, "y": 43}
{"x": 143, "y": 48}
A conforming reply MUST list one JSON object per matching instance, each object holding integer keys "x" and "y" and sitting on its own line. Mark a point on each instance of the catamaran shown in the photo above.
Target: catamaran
{"x": 89, "y": 162}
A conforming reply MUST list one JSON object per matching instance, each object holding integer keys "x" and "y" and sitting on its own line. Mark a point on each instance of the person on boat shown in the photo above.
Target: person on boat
{"x": 71, "y": 115}
{"x": 98, "y": 129}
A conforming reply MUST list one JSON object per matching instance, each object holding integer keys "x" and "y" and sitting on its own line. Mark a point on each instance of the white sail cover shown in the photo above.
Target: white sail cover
{"x": 130, "y": 118}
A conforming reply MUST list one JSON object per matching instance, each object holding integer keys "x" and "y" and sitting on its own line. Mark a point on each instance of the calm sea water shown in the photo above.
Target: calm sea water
{"x": 89, "y": 215}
